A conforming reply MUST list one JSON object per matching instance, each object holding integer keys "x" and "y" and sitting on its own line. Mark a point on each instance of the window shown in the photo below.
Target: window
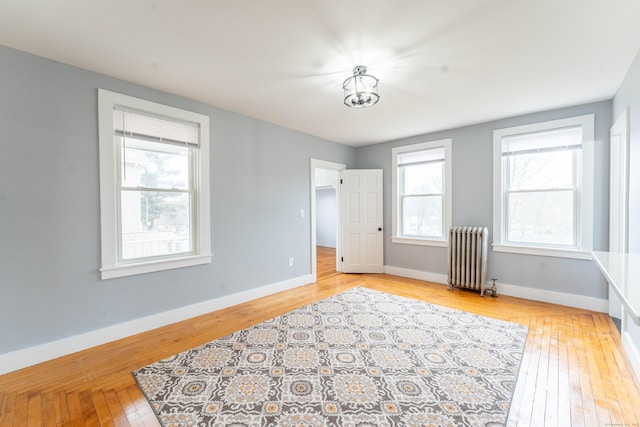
{"x": 543, "y": 195}
{"x": 422, "y": 193}
{"x": 154, "y": 186}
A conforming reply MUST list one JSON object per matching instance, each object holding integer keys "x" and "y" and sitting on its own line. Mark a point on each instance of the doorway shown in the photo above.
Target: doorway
{"x": 325, "y": 214}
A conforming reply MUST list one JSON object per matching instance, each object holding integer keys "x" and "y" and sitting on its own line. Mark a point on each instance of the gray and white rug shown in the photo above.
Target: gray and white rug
{"x": 359, "y": 358}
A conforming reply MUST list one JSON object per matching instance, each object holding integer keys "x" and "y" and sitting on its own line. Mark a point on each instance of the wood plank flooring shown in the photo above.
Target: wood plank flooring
{"x": 325, "y": 262}
{"x": 574, "y": 370}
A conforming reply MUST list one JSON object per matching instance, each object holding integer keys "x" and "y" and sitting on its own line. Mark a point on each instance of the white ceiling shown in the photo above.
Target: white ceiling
{"x": 441, "y": 64}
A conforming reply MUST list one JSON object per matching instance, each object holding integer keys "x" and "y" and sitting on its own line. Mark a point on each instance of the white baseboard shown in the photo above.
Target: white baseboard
{"x": 416, "y": 274}
{"x": 561, "y": 298}
{"x": 632, "y": 352}
{"x": 571, "y": 300}
{"x": 41, "y": 353}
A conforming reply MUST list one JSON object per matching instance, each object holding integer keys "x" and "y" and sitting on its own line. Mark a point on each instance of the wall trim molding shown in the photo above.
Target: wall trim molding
{"x": 553, "y": 297}
{"x": 427, "y": 276}
{"x": 571, "y": 300}
{"x": 632, "y": 352}
{"x": 29, "y": 356}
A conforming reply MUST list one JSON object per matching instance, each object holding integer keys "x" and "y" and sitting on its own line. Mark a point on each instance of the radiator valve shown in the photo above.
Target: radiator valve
{"x": 494, "y": 289}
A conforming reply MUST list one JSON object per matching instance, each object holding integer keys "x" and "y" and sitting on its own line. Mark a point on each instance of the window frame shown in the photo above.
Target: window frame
{"x": 397, "y": 236}
{"x": 583, "y": 216}
{"x": 110, "y": 223}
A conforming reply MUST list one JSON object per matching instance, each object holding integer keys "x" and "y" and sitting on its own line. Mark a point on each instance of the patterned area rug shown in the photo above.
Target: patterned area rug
{"x": 360, "y": 358}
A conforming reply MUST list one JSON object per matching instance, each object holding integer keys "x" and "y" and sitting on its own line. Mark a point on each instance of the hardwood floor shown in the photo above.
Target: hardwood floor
{"x": 325, "y": 262}
{"x": 574, "y": 371}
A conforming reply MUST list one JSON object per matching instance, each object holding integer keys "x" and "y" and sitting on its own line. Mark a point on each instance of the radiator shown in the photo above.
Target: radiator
{"x": 468, "y": 258}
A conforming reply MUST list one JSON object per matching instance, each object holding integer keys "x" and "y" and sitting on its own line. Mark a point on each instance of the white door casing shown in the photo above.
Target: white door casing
{"x": 618, "y": 184}
{"x": 618, "y": 197}
{"x": 361, "y": 221}
{"x": 323, "y": 164}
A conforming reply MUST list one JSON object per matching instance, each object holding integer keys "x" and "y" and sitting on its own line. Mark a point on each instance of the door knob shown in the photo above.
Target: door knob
{"x": 379, "y": 228}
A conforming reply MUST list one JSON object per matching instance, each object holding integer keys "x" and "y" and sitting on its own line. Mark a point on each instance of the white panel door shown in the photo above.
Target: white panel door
{"x": 361, "y": 221}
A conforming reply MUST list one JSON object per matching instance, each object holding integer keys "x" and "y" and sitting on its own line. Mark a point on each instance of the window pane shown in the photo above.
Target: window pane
{"x": 155, "y": 223}
{"x": 541, "y": 218}
{"x": 422, "y": 216}
{"x": 541, "y": 170}
{"x": 422, "y": 179}
{"x": 154, "y": 165}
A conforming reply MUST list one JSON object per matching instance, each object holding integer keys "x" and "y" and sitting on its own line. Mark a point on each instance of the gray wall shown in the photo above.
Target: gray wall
{"x": 49, "y": 204}
{"x": 473, "y": 199}
{"x": 326, "y": 217}
{"x": 50, "y": 218}
{"x": 628, "y": 95}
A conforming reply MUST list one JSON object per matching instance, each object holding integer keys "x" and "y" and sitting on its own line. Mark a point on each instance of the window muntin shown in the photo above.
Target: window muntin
{"x": 421, "y": 193}
{"x": 543, "y": 197}
{"x": 154, "y": 173}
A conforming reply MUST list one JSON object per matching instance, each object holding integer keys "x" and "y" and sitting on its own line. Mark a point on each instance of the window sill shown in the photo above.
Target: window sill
{"x": 531, "y": 250}
{"x": 151, "y": 266}
{"x": 420, "y": 242}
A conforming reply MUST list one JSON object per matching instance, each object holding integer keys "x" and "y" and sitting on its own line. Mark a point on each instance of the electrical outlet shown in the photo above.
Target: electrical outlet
{"x": 290, "y": 262}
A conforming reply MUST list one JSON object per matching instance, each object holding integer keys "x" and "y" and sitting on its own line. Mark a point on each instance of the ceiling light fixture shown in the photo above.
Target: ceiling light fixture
{"x": 361, "y": 89}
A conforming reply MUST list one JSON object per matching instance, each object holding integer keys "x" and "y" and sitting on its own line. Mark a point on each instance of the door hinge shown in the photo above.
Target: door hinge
{"x": 341, "y": 259}
{"x": 340, "y": 180}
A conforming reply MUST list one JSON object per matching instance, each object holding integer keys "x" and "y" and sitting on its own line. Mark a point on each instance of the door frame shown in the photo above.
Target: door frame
{"x": 323, "y": 164}
{"x": 620, "y": 128}
{"x": 619, "y": 184}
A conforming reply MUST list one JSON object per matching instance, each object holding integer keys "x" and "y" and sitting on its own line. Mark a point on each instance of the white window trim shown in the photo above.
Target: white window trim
{"x": 111, "y": 268}
{"x": 585, "y": 222}
{"x": 425, "y": 241}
